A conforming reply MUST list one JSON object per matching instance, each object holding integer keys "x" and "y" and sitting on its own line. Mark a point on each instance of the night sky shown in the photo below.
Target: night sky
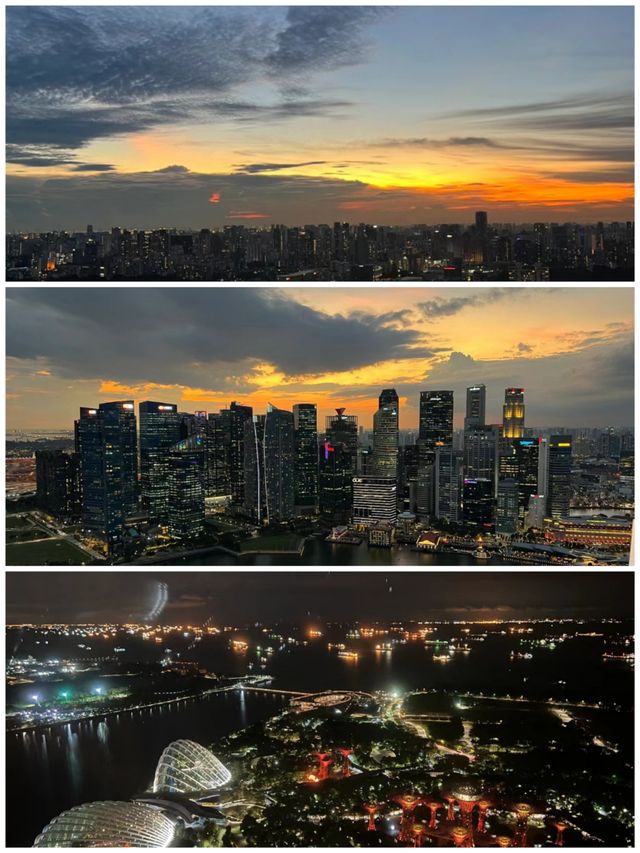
{"x": 245, "y": 597}
{"x": 213, "y": 115}
{"x": 571, "y": 349}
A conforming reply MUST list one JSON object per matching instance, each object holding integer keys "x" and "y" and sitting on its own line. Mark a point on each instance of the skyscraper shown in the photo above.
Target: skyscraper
{"x": 238, "y": 415}
{"x": 476, "y": 405}
{"x": 58, "y": 484}
{"x": 481, "y": 221}
{"x": 338, "y": 460}
{"x": 159, "y": 430}
{"x": 480, "y": 453}
{"x": 186, "y": 488}
{"x": 305, "y": 424}
{"x": 218, "y": 443}
{"x": 447, "y": 484}
{"x": 374, "y": 499}
{"x": 279, "y": 455}
{"x": 478, "y": 502}
{"x": 513, "y": 413}
{"x": 522, "y": 465}
{"x": 559, "y": 487}
{"x": 507, "y": 507}
{"x": 107, "y": 444}
{"x": 385, "y": 435}
{"x": 436, "y": 418}
{"x": 269, "y": 466}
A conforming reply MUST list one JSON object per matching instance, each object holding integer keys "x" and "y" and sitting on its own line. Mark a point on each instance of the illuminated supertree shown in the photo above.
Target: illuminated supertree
{"x": 433, "y": 806}
{"x": 325, "y": 762}
{"x": 372, "y": 811}
{"x": 346, "y": 766}
{"x": 408, "y": 803}
{"x": 450, "y": 800}
{"x": 483, "y": 806}
{"x": 468, "y": 798}
{"x": 504, "y": 841}
{"x": 523, "y": 812}
{"x": 419, "y": 830}
{"x": 460, "y": 836}
{"x": 560, "y": 826}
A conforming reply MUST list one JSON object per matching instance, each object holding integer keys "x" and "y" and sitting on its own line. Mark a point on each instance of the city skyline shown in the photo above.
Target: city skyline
{"x": 571, "y": 349}
{"x": 171, "y": 598}
{"x": 212, "y": 116}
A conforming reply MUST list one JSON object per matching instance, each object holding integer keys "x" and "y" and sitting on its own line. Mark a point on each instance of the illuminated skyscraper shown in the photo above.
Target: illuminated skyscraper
{"x": 436, "y": 418}
{"x": 559, "y": 483}
{"x": 218, "y": 444}
{"x": 507, "y": 507}
{"x": 238, "y": 415}
{"x": 107, "y": 443}
{"x": 279, "y": 456}
{"x": 159, "y": 430}
{"x": 476, "y": 405}
{"x": 513, "y": 413}
{"x": 186, "y": 488}
{"x": 374, "y": 499}
{"x": 480, "y": 453}
{"x": 522, "y": 465}
{"x": 447, "y": 484}
{"x": 385, "y": 435}
{"x": 269, "y": 466}
{"x": 58, "y": 484}
{"x": 338, "y": 460}
{"x": 305, "y": 424}
{"x": 478, "y": 502}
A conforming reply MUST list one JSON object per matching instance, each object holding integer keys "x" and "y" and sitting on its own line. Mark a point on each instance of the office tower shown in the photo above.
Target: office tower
{"x": 522, "y": 464}
{"x": 513, "y": 413}
{"x": 217, "y": 444}
{"x": 447, "y": 484}
{"x": 192, "y": 423}
{"x": 385, "y": 435}
{"x": 107, "y": 444}
{"x": 269, "y": 466}
{"x": 436, "y": 418}
{"x": 58, "y": 484}
{"x": 536, "y": 512}
{"x": 425, "y": 481}
{"x": 186, "y": 488}
{"x": 610, "y": 444}
{"x": 255, "y": 493}
{"x": 478, "y": 502}
{"x": 305, "y": 424}
{"x": 238, "y": 415}
{"x": 476, "y": 405}
{"x": 279, "y": 456}
{"x": 482, "y": 221}
{"x": 374, "y": 499}
{"x": 481, "y": 452}
{"x": 338, "y": 460}
{"x": 559, "y": 483}
{"x": 507, "y": 507}
{"x": 159, "y": 430}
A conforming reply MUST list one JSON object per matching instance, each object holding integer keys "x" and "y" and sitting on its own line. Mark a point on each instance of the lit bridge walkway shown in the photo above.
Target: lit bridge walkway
{"x": 258, "y": 689}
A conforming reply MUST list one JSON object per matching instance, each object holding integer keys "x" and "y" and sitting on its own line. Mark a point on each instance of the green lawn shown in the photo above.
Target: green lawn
{"x": 18, "y": 521}
{"x": 277, "y": 542}
{"x": 54, "y": 553}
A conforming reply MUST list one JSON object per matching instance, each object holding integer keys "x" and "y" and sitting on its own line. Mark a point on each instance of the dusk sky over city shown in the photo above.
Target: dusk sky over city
{"x": 304, "y": 596}
{"x": 571, "y": 349}
{"x": 208, "y": 116}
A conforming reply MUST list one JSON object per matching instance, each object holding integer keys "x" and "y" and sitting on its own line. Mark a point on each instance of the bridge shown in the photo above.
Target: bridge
{"x": 276, "y": 690}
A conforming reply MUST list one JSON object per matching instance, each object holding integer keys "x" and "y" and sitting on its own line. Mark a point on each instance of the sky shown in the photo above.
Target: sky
{"x": 210, "y": 115}
{"x": 571, "y": 349}
{"x": 300, "y": 596}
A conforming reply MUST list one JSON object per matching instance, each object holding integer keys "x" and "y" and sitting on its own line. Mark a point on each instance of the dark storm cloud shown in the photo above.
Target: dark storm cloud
{"x": 294, "y": 596}
{"x": 79, "y": 74}
{"x": 170, "y": 335}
